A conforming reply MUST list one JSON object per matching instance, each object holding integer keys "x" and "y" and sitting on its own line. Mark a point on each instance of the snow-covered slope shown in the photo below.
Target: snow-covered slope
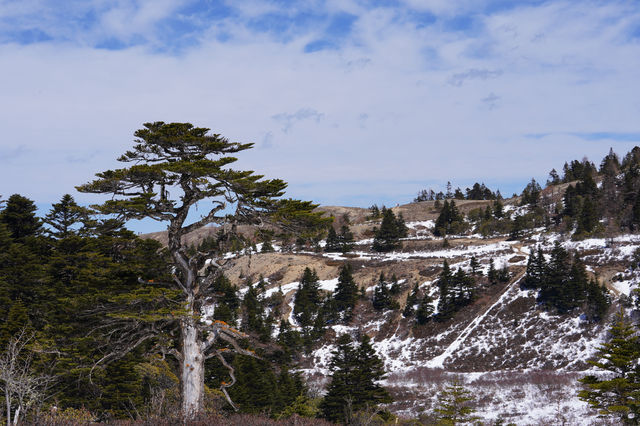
{"x": 520, "y": 362}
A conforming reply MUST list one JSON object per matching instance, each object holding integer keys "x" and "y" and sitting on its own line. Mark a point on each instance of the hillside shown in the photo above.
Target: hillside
{"x": 520, "y": 361}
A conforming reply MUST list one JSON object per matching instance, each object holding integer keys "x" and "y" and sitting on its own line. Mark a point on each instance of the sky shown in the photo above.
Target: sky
{"x": 351, "y": 102}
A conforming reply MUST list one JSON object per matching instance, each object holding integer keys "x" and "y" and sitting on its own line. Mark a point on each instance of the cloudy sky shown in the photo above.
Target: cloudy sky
{"x": 352, "y": 102}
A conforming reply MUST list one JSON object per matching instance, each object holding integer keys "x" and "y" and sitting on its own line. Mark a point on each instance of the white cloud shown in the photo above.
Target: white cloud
{"x": 379, "y": 109}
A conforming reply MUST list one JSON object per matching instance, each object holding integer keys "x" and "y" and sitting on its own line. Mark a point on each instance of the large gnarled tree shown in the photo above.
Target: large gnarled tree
{"x": 173, "y": 167}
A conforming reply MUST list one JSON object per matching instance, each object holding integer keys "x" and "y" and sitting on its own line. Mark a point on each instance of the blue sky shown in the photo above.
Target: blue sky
{"x": 351, "y": 102}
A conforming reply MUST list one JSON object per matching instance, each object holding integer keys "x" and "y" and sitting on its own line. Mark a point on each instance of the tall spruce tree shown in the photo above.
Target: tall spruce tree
{"x": 65, "y": 216}
{"x": 174, "y": 166}
{"x": 346, "y": 293}
{"x": 382, "y": 299}
{"x": 388, "y": 236}
{"x": 412, "y": 299}
{"x": 353, "y": 384}
{"x": 454, "y": 405}
{"x": 307, "y": 304}
{"x": 618, "y": 393}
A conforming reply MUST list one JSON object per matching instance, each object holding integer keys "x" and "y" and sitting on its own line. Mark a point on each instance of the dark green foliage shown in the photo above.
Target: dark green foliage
{"x": 65, "y": 217}
{"x": 382, "y": 298}
{"x": 577, "y": 170}
{"x": 227, "y": 294}
{"x": 424, "y": 313}
{"x": 477, "y": 192}
{"x": 531, "y": 193}
{"x": 480, "y": 192}
{"x": 412, "y": 299}
{"x": 353, "y": 384}
{"x": 450, "y": 221}
{"x": 254, "y": 319}
{"x": 290, "y": 341}
{"x": 307, "y": 306}
{"x": 346, "y": 293}
{"x": 456, "y": 291}
{"x": 20, "y": 219}
{"x": 332, "y": 243}
{"x": 554, "y": 178}
{"x": 564, "y": 284}
{"x": 617, "y": 394}
{"x": 536, "y": 270}
{"x": 339, "y": 243}
{"x": 374, "y": 212}
{"x": 453, "y": 405}
{"x": 387, "y": 237}
{"x": 475, "y": 266}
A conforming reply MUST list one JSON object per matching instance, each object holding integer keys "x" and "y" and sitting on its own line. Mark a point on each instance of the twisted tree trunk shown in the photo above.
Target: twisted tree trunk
{"x": 191, "y": 368}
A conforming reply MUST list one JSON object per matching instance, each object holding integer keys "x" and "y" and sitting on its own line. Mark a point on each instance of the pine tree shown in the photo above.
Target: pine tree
{"x": 453, "y": 405}
{"x": 617, "y": 395}
{"x": 64, "y": 215}
{"x": 450, "y": 220}
{"x": 346, "y": 293}
{"x": 552, "y": 290}
{"x": 332, "y": 244}
{"x": 387, "y": 236}
{"x": 474, "y": 265}
{"x": 536, "y": 270}
{"x": 179, "y": 158}
{"x": 598, "y": 302}
{"x": 401, "y": 226}
{"x": 306, "y": 304}
{"x": 412, "y": 299}
{"x": 424, "y": 313}
{"x": 353, "y": 385}
{"x": 345, "y": 240}
{"x": 493, "y": 273}
{"x": 19, "y": 217}
{"x": 382, "y": 299}
{"x": 446, "y": 301}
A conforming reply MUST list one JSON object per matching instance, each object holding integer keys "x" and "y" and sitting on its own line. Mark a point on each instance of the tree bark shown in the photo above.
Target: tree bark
{"x": 192, "y": 369}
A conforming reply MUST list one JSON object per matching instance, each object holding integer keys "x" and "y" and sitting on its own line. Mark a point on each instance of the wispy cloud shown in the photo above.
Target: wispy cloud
{"x": 405, "y": 88}
{"x": 458, "y": 79}
{"x": 288, "y": 120}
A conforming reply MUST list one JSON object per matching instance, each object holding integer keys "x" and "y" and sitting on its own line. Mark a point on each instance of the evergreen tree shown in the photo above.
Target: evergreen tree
{"x": 474, "y": 265}
{"x": 401, "y": 226}
{"x": 382, "y": 299}
{"x": 332, "y": 244}
{"x": 598, "y": 302}
{"x": 588, "y": 219}
{"x": 453, "y": 405}
{"x": 20, "y": 218}
{"x": 345, "y": 240}
{"x": 306, "y": 304}
{"x": 253, "y": 317}
{"x": 556, "y": 278}
{"x": 425, "y": 310}
{"x": 531, "y": 194}
{"x": 445, "y": 302}
{"x": 179, "y": 158}
{"x": 498, "y": 209}
{"x": 412, "y": 299}
{"x": 536, "y": 270}
{"x": 493, "y": 273}
{"x": 449, "y": 220}
{"x": 346, "y": 293}
{"x": 353, "y": 384}
{"x": 618, "y": 393}
{"x": 64, "y": 215}
{"x": 387, "y": 236}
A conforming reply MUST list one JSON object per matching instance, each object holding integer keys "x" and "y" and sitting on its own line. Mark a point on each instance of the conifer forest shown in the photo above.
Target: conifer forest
{"x": 461, "y": 306}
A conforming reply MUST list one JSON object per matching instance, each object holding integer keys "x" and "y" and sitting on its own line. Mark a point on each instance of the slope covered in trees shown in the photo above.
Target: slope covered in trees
{"x": 75, "y": 284}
